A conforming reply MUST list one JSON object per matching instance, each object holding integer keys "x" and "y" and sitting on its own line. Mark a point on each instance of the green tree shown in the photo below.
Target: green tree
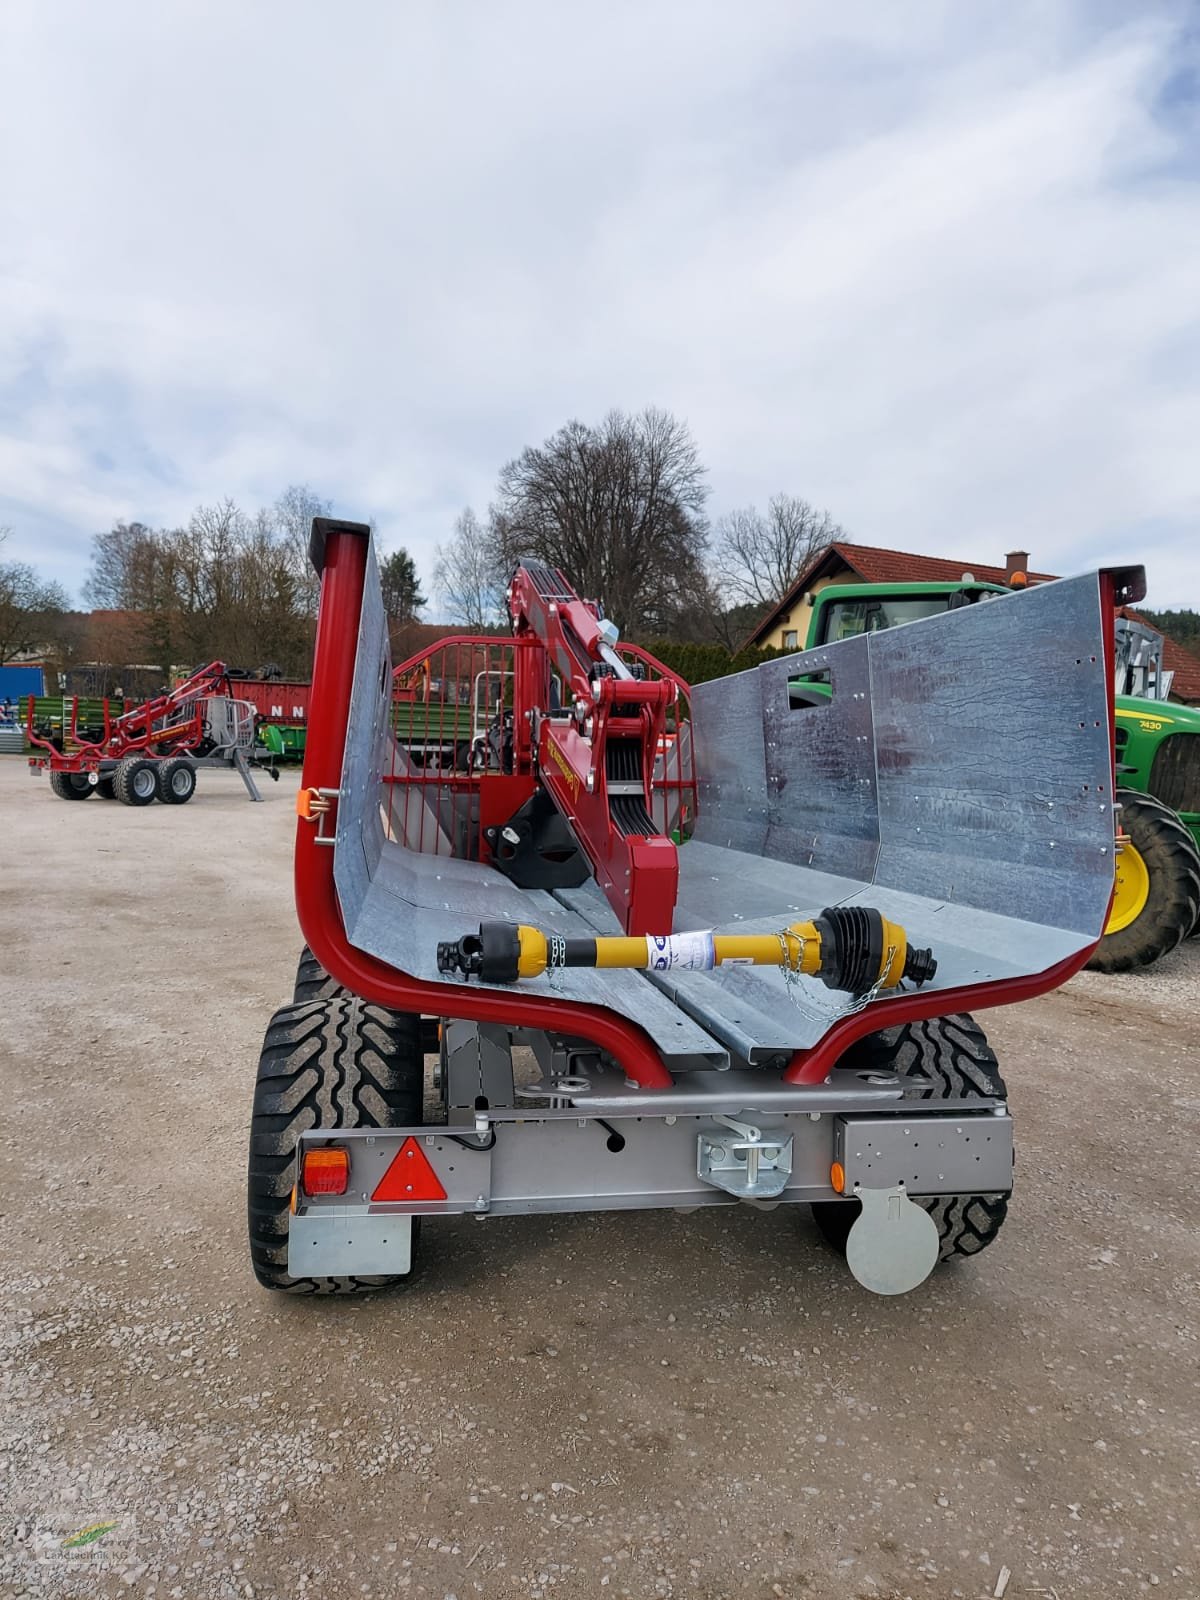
{"x": 1183, "y": 626}
{"x": 402, "y": 597}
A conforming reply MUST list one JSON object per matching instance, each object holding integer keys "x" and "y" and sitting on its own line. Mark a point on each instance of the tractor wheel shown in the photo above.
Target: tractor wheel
{"x": 176, "y": 781}
{"x": 325, "y": 1064}
{"x": 70, "y": 785}
{"x": 1157, "y": 896}
{"x": 135, "y": 782}
{"x": 946, "y": 1058}
{"x": 314, "y": 983}
{"x": 104, "y": 788}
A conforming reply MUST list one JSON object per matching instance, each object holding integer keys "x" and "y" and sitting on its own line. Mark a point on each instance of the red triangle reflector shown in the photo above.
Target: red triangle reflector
{"x": 410, "y": 1177}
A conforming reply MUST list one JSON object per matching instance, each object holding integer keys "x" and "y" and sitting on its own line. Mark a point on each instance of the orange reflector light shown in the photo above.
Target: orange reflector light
{"x": 837, "y": 1177}
{"x": 326, "y": 1171}
{"x": 410, "y": 1177}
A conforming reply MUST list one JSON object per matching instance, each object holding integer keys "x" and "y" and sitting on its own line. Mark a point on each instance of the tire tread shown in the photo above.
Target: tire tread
{"x": 1172, "y": 911}
{"x": 331, "y": 1063}
{"x": 941, "y": 1058}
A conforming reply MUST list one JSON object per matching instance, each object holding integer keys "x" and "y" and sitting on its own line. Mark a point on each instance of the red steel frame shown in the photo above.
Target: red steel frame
{"x": 435, "y": 698}
{"x": 341, "y": 548}
{"x": 135, "y": 731}
{"x": 423, "y": 695}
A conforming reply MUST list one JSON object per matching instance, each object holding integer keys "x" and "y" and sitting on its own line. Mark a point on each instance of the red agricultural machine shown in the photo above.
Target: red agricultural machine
{"x": 152, "y": 751}
{"x": 582, "y": 938}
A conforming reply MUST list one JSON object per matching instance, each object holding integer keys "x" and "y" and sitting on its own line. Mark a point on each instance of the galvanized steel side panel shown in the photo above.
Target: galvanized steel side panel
{"x": 358, "y": 831}
{"x": 994, "y": 756}
{"x": 821, "y": 763}
{"x": 731, "y": 767}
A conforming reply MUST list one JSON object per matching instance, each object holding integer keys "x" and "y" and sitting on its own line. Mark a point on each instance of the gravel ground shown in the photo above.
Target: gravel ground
{"x": 638, "y": 1405}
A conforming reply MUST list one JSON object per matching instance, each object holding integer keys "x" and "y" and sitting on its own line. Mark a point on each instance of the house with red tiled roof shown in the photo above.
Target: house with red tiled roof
{"x": 786, "y": 624}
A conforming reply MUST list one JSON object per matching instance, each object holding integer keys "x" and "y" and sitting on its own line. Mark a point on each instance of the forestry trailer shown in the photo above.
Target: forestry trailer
{"x": 152, "y": 751}
{"x": 658, "y": 947}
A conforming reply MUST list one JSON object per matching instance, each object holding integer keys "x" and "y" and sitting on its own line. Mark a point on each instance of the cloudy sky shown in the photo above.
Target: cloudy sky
{"x": 933, "y": 266}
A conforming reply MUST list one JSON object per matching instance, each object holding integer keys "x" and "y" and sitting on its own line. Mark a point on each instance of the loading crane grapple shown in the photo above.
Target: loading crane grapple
{"x": 740, "y": 931}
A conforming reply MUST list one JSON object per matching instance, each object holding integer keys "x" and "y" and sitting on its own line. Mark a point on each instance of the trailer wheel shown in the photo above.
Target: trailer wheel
{"x": 70, "y": 785}
{"x": 945, "y": 1058}
{"x": 335, "y": 1063}
{"x": 314, "y": 983}
{"x": 104, "y": 788}
{"x": 176, "y": 781}
{"x": 135, "y": 782}
{"x": 1158, "y": 887}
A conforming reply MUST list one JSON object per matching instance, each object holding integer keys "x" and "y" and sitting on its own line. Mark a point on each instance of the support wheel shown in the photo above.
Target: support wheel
{"x": 945, "y": 1058}
{"x": 135, "y": 782}
{"x": 70, "y": 785}
{"x": 176, "y": 781}
{"x": 336, "y": 1063}
{"x": 104, "y": 788}
{"x": 1157, "y": 895}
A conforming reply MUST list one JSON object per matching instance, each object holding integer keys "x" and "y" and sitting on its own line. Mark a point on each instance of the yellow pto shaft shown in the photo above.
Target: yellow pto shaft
{"x": 854, "y": 948}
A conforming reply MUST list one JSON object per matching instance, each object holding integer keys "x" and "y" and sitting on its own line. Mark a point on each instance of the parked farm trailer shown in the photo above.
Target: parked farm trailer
{"x": 740, "y": 939}
{"x": 152, "y": 751}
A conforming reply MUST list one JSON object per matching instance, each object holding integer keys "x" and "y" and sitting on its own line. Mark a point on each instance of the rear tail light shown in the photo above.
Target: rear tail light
{"x": 326, "y": 1171}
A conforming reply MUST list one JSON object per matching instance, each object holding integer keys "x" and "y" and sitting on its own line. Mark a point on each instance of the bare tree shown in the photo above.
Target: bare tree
{"x": 226, "y": 586}
{"x": 619, "y": 507}
{"x": 291, "y": 519}
{"x": 29, "y": 607}
{"x": 466, "y": 574}
{"x": 118, "y": 557}
{"x": 758, "y": 557}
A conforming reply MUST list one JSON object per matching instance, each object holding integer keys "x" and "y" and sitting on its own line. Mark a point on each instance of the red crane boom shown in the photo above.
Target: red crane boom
{"x": 595, "y": 751}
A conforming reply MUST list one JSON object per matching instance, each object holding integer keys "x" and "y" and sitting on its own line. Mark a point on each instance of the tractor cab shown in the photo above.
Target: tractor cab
{"x": 845, "y": 610}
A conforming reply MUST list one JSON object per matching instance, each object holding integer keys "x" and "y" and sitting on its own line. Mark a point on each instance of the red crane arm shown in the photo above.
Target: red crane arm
{"x": 595, "y": 753}
{"x": 176, "y": 717}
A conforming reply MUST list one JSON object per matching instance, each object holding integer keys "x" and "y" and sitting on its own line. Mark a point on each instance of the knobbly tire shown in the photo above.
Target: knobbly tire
{"x": 325, "y": 1063}
{"x": 314, "y": 983}
{"x": 1173, "y": 903}
{"x": 945, "y": 1058}
{"x": 70, "y": 785}
{"x": 135, "y": 782}
{"x": 176, "y": 781}
{"x": 104, "y": 788}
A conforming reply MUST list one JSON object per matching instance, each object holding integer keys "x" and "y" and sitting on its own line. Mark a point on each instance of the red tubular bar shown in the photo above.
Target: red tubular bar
{"x": 344, "y": 567}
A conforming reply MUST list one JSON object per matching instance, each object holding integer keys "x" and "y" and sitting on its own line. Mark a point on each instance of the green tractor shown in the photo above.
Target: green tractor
{"x": 1156, "y": 903}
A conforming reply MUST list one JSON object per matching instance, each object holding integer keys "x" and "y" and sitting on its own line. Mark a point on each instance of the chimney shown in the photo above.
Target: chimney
{"x": 1016, "y": 561}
